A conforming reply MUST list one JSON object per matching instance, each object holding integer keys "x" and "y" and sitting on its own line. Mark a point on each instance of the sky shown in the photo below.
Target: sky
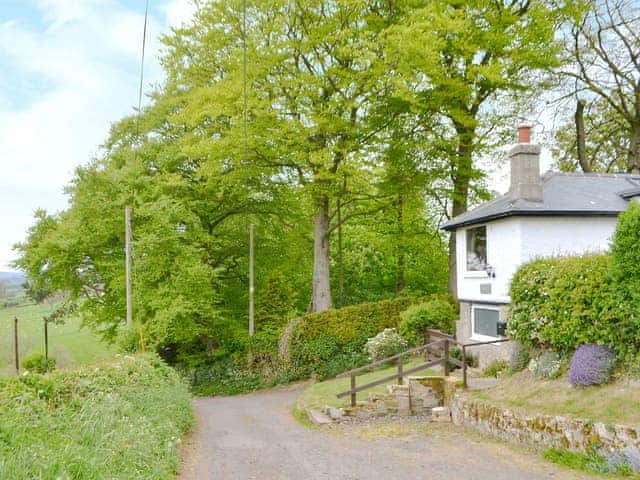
{"x": 68, "y": 69}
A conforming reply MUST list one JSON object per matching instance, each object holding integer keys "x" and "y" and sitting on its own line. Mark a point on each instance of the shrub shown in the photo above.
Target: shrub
{"x": 36, "y": 363}
{"x": 562, "y": 303}
{"x": 591, "y": 365}
{"x": 385, "y": 344}
{"x": 495, "y": 368}
{"x": 625, "y": 251}
{"x": 519, "y": 357}
{"x": 327, "y": 343}
{"x": 436, "y": 314}
{"x": 546, "y": 366}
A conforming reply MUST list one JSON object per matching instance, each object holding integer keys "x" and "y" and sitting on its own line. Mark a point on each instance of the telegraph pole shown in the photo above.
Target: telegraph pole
{"x": 127, "y": 220}
{"x": 251, "y": 289}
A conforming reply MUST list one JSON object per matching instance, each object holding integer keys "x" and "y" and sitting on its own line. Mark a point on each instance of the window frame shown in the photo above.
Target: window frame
{"x": 476, "y": 273}
{"x": 479, "y": 336}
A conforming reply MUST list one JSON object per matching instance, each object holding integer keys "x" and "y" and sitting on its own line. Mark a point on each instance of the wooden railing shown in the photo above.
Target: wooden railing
{"x": 438, "y": 350}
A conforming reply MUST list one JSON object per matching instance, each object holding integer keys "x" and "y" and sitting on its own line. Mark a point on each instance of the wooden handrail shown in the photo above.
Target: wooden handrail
{"x": 388, "y": 359}
{"x": 446, "y": 360}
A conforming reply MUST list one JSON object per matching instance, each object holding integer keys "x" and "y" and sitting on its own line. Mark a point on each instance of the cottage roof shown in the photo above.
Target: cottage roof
{"x": 563, "y": 194}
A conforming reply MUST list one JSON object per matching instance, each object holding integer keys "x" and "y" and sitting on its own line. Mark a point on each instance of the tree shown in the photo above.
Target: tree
{"x": 605, "y": 54}
{"x": 458, "y": 61}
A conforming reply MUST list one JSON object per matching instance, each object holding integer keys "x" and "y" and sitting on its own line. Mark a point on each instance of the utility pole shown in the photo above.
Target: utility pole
{"x": 15, "y": 344}
{"x": 127, "y": 220}
{"x": 251, "y": 289}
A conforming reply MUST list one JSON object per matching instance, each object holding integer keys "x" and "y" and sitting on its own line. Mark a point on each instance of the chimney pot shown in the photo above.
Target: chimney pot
{"x": 524, "y": 133}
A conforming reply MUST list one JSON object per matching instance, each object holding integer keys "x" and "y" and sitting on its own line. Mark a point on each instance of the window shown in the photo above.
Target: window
{"x": 477, "y": 249}
{"x": 486, "y": 322}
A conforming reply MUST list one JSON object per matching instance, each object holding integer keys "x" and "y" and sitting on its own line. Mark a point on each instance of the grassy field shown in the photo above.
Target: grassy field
{"x": 68, "y": 343}
{"x": 320, "y": 394}
{"x": 615, "y": 403}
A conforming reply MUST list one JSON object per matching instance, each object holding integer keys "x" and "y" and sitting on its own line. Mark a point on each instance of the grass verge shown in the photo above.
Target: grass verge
{"x": 592, "y": 463}
{"x": 119, "y": 420}
{"x": 320, "y": 394}
{"x": 615, "y": 403}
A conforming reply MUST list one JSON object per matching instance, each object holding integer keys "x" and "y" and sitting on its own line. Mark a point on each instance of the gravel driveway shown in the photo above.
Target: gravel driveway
{"x": 254, "y": 437}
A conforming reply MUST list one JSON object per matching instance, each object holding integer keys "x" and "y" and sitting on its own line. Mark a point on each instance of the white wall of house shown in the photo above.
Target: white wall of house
{"x": 513, "y": 241}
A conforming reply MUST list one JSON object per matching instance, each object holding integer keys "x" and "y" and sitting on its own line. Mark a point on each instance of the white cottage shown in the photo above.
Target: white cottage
{"x": 556, "y": 214}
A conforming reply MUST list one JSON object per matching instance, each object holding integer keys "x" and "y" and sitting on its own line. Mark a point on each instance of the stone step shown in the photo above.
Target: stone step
{"x": 317, "y": 417}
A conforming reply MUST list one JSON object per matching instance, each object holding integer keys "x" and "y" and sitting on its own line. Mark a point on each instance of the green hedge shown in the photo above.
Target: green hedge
{"x": 563, "y": 302}
{"x": 331, "y": 342}
{"x": 121, "y": 419}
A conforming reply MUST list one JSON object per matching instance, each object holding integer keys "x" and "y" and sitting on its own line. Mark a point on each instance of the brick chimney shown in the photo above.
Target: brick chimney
{"x": 525, "y": 167}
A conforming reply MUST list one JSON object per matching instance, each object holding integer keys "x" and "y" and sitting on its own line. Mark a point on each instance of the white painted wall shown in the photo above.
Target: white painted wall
{"x": 515, "y": 240}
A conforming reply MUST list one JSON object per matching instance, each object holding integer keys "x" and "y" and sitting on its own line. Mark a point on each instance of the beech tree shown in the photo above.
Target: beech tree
{"x": 458, "y": 61}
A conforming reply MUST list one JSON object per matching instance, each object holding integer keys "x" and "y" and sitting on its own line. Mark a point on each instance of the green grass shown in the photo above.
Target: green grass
{"x": 68, "y": 343}
{"x": 318, "y": 395}
{"x": 615, "y": 403}
{"x": 122, "y": 419}
{"x": 592, "y": 463}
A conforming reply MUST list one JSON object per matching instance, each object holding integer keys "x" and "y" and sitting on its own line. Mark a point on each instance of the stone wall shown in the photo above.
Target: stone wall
{"x": 615, "y": 442}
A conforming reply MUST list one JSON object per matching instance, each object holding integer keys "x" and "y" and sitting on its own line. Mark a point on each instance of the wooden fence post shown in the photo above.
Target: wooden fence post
{"x": 400, "y": 371}
{"x": 446, "y": 358}
{"x": 15, "y": 344}
{"x": 464, "y": 366}
{"x": 353, "y": 387}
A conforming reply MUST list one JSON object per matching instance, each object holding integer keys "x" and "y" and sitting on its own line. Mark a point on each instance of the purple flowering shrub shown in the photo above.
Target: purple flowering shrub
{"x": 591, "y": 365}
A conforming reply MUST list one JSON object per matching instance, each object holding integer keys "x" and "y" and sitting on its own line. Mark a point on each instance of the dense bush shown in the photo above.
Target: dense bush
{"x": 591, "y": 365}
{"x": 121, "y": 419}
{"x": 436, "y": 314}
{"x": 519, "y": 357}
{"x": 385, "y": 344}
{"x": 546, "y": 366}
{"x": 625, "y": 251}
{"x": 561, "y": 303}
{"x": 331, "y": 342}
{"x": 471, "y": 359}
{"x": 36, "y": 363}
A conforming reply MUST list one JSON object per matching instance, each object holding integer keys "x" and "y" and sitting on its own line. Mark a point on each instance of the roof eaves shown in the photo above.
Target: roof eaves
{"x": 529, "y": 213}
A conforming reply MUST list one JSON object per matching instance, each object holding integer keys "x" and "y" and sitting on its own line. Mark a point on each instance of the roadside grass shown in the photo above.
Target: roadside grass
{"x": 121, "y": 419}
{"x": 592, "y": 463}
{"x": 615, "y": 403}
{"x": 69, "y": 344}
{"x": 321, "y": 394}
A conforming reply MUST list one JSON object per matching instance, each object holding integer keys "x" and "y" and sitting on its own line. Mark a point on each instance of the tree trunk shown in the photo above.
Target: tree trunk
{"x": 321, "y": 292}
{"x": 461, "y": 178}
{"x": 400, "y": 282}
{"x": 633, "y": 158}
{"x": 580, "y": 138}
{"x": 340, "y": 259}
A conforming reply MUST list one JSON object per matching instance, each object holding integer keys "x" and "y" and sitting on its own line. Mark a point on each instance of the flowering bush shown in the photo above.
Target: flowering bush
{"x": 385, "y": 344}
{"x": 546, "y": 365}
{"x": 591, "y": 365}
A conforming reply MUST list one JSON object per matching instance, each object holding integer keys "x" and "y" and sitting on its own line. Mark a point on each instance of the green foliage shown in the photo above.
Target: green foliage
{"x": 561, "y": 303}
{"x": 385, "y": 344}
{"x": 330, "y": 342}
{"x": 495, "y": 368}
{"x": 519, "y": 357}
{"x": 546, "y": 366}
{"x": 276, "y": 302}
{"x": 590, "y": 462}
{"x": 115, "y": 420}
{"x": 471, "y": 359}
{"x": 625, "y": 250}
{"x": 36, "y": 363}
{"x": 435, "y": 314}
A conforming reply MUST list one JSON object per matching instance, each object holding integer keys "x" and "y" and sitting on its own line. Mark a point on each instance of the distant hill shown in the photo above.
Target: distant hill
{"x": 12, "y": 276}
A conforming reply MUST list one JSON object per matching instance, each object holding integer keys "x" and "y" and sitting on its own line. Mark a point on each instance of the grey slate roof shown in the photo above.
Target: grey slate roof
{"x": 563, "y": 194}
